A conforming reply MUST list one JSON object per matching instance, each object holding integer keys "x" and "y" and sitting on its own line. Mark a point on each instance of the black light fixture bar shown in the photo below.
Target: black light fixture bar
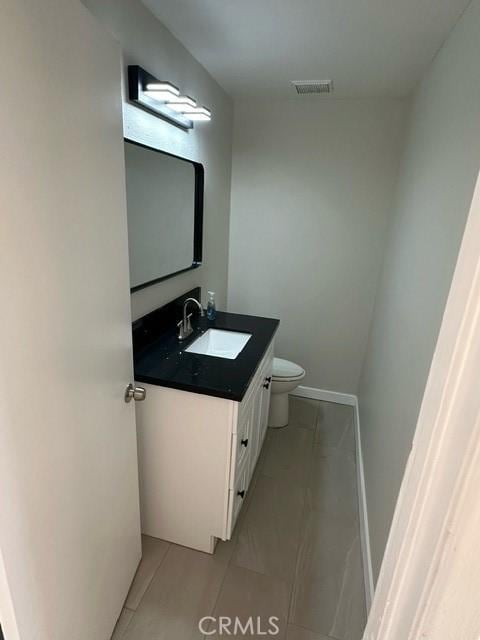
{"x": 138, "y": 81}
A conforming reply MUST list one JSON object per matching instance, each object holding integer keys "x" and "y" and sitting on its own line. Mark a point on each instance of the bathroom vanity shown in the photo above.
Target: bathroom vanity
{"x": 203, "y": 423}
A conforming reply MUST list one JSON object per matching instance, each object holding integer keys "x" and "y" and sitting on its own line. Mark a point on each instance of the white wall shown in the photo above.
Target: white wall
{"x": 434, "y": 193}
{"x": 312, "y": 185}
{"x": 145, "y": 41}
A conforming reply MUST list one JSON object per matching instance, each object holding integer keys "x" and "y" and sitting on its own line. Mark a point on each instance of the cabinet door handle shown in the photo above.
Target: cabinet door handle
{"x": 268, "y": 379}
{"x": 241, "y": 493}
{"x": 244, "y": 442}
{"x": 266, "y": 385}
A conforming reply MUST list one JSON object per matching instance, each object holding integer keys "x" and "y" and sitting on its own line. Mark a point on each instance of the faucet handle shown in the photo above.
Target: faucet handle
{"x": 180, "y": 329}
{"x": 189, "y": 323}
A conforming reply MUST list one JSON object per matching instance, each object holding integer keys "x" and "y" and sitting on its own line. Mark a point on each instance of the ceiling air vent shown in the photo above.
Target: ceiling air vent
{"x": 304, "y": 87}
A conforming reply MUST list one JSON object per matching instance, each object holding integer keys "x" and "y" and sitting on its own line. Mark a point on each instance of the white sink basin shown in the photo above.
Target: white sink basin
{"x": 220, "y": 344}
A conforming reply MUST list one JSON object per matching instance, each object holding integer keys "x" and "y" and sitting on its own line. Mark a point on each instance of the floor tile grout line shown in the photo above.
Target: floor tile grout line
{"x": 283, "y": 578}
{"x": 170, "y": 544}
{"x": 297, "y": 559}
{"x": 304, "y": 489}
{"x": 306, "y": 510}
{"x": 235, "y": 543}
{"x": 303, "y": 519}
{"x": 128, "y": 624}
{"x": 134, "y": 611}
{"x": 230, "y": 562}
{"x": 317, "y": 414}
{"x": 291, "y": 422}
{"x": 264, "y": 575}
{"x": 292, "y": 425}
{"x": 227, "y": 566}
{"x": 323, "y": 635}
{"x": 312, "y": 455}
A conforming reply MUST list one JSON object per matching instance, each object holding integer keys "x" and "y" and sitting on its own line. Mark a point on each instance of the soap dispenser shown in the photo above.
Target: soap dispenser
{"x": 211, "y": 308}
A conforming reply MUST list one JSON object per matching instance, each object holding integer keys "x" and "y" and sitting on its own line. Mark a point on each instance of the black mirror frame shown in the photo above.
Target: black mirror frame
{"x": 198, "y": 216}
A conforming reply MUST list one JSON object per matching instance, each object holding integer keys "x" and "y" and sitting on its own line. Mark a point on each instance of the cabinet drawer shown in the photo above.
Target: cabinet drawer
{"x": 238, "y": 494}
{"x": 243, "y": 439}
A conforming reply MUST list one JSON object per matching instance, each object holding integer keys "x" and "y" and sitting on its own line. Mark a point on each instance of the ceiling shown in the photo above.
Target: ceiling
{"x": 257, "y": 47}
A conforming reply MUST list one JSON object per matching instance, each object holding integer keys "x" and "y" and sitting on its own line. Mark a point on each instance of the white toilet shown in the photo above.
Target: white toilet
{"x": 286, "y": 376}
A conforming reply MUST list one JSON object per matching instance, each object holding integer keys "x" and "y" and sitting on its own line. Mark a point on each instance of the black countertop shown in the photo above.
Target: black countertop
{"x": 165, "y": 362}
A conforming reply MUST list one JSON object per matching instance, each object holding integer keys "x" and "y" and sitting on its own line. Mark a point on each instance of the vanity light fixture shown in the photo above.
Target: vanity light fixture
{"x": 188, "y": 109}
{"x": 199, "y": 114}
{"x": 163, "y": 91}
{"x": 183, "y": 101}
{"x": 164, "y": 99}
{"x": 188, "y": 106}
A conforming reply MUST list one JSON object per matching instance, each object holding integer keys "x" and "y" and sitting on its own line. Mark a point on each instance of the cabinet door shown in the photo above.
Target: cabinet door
{"x": 236, "y": 495}
{"x": 256, "y": 432}
{"x": 261, "y": 404}
{"x": 244, "y": 440}
{"x": 248, "y": 435}
{"x": 265, "y": 405}
{"x": 239, "y": 493}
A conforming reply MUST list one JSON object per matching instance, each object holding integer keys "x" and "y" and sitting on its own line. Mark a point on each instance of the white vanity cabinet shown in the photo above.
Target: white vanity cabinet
{"x": 196, "y": 456}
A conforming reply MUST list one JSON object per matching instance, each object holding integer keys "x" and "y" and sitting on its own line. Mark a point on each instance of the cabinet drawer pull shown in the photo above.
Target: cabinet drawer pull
{"x": 266, "y": 385}
{"x": 244, "y": 442}
{"x": 268, "y": 379}
{"x": 241, "y": 493}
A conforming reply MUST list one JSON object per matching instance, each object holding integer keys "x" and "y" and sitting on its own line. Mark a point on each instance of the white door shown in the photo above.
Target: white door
{"x": 69, "y": 514}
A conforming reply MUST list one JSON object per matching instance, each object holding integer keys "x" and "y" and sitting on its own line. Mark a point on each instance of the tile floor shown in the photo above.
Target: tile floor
{"x": 295, "y": 553}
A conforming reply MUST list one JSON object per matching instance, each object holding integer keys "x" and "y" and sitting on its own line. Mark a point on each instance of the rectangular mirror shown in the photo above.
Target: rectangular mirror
{"x": 165, "y": 213}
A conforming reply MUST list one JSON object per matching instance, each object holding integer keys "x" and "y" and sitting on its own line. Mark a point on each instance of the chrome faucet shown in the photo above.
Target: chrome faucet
{"x": 185, "y": 326}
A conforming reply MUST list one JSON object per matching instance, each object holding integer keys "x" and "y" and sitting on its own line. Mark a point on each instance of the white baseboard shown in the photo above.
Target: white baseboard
{"x": 363, "y": 514}
{"x": 324, "y": 395}
{"x": 351, "y": 400}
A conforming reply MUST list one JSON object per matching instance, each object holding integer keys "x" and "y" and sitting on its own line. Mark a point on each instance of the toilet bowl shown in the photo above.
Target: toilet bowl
{"x": 286, "y": 376}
